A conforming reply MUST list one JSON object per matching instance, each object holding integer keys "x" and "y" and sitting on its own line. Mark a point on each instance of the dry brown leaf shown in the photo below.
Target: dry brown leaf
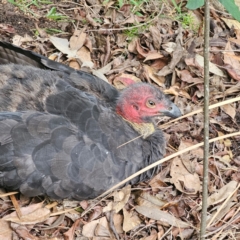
{"x": 212, "y": 67}
{"x": 118, "y": 223}
{"x": 18, "y": 40}
{"x": 141, "y": 50}
{"x": 89, "y": 228}
{"x": 226, "y": 160}
{"x": 156, "y": 214}
{"x": 84, "y": 56}
{"x": 231, "y": 23}
{"x": 26, "y": 210}
{"x": 92, "y": 21}
{"x": 233, "y": 73}
{"x": 23, "y": 232}
{"x": 169, "y": 47}
{"x": 130, "y": 221}
{"x": 237, "y": 41}
{"x": 5, "y": 230}
{"x": 78, "y": 39}
{"x": 186, "y": 76}
{"x": 39, "y": 215}
{"x": 123, "y": 80}
{"x": 156, "y": 37}
{"x": 176, "y": 91}
{"x": 132, "y": 46}
{"x": 69, "y": 235}
{"x": 233, "y": 65}
{"x": 121, "y": 198}
{"x": 109, "y": 207}
{"x": 100, "y": 72}
{"x": 183, "y": 180}
{"x": 62, "y": 45}
{"x": 151, "y": 73}
{"x": 221, "y": 194}
{"x": 177, "y": 55}
{"x": 197, "y": 153}
{"x": 158, "y": 64}
{"x": 225, "y": 128}
{"x": 221, "y": 213}
{"x": 102, "y": 231}
{"x": 229, "y": 110}
{"x": 74, "y": 64}
{"x": 97, "y": 211}
{"x": 148, "y": 200}
{"x": 153, "y": 56}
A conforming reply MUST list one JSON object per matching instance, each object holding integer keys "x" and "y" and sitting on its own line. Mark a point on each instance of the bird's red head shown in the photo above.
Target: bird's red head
{"x": 142, "y": 103}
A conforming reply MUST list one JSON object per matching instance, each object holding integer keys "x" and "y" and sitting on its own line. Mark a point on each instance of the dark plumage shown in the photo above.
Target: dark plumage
{"x": 61, "y": 131}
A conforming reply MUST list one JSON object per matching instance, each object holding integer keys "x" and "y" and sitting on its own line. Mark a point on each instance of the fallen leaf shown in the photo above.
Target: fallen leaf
{"x": 152, "y": 74}
{"x": 221, "y": 194}
{"x": 5, "y": 230}
{"x": 156, "y": 36}
{"x": 130, "y": 221}
{"x": 231, "y": 23}
{"x": 84, "y": 56}
{"x": 62, "y": 45}
{"x": 153, "y": 56}
{"x": 89, "y": 228}
{"x": 149, "y": 200}
{"x": 183, "y": 180}
{"x": 34, "y": 217}
{"x": 212, "y": 67}
{"x": 123, "y": 80}
{"x": 118, "y": 223}
{"x": 169, "y": 47}
{"x": 156, "y": 214}
{"x": 78, "y": 39}
{"x": 229, "y": 110}
{"x": 121, "y": 198}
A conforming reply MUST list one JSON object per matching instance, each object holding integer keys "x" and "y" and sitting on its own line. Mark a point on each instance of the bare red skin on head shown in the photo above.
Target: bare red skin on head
{"x": 132, "y": 104}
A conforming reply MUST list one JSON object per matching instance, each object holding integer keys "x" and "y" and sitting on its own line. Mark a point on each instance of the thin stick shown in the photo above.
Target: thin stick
{"x": 16, "y": 206}
{"x": 206, "y": 121}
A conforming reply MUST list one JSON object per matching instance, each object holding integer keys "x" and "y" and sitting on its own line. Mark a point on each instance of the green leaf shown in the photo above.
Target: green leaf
{"x": 194, "y": 4}
{"x": 232, "y": 8}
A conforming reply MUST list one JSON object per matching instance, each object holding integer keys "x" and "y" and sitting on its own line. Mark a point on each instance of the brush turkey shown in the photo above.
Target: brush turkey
{"x": 68, "y": 134}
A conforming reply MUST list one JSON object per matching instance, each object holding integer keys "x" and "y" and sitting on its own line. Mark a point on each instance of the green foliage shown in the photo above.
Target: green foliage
{"x": 120, "y": 3}
{"x": 194, "y": 4}
{"x": 24, "y": 5}
{"x": 52, "y": 14}
{"x": 232, "y": 8}
{"x": 98, "y": 20}
{"x": 132, "y": 32}
{"x": 53, "y": 31}
{"x": 185, "y": 18}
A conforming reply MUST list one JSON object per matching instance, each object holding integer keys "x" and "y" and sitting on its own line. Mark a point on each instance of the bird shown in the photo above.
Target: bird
{"x": 67, "y": 134}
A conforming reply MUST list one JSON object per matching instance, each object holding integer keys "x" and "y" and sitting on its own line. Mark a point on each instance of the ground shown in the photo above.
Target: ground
{"x": 150, "y": 41}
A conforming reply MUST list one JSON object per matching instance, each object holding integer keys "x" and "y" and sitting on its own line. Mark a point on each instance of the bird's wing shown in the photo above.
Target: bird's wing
{"x": 10, "y": 53}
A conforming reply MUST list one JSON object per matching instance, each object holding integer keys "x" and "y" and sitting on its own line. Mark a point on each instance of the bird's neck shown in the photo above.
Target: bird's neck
{"x": 144, "y": 129}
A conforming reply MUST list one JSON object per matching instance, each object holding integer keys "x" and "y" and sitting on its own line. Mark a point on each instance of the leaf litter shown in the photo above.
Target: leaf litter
{"x": 121, "y": 42}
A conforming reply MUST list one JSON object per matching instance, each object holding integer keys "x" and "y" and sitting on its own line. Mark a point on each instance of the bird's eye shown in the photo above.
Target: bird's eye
{"x": 150, "y": 103}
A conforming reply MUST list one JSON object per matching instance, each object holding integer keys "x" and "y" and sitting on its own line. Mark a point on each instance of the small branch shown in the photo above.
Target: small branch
{"x": 206, "y": 120}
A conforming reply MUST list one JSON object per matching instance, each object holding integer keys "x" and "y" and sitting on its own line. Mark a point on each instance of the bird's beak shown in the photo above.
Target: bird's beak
{"x": 171, "y": 110}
